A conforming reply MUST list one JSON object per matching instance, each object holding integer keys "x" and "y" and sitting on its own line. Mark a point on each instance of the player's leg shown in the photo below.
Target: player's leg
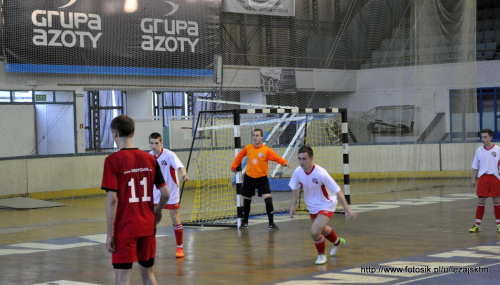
{"x": 495, "y": 194}
{"x": 123, "y": 276}
{"x": 482, "y": 193}
{"x": 331, "y": 236}
{"x": 265, "y": 192}
{"x": 123, "y": 258}
{"x": 496, "y": 208}
{"x": 146, "y": 251}
{"x": 178, "y": 231}
{"x": 317, "y": 228}
{"x": 148, "y": 274}
{"x": 248, "y": 191}
{"x": 268, "y": 199}
{"x": 247, "y": 201}
{"x": 479, "y": 214}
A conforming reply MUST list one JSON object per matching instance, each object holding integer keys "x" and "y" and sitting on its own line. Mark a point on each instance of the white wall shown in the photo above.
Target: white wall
{"x": 55, "y": 129}
{"x": 143, "y": 128}
{"x": 140, "y": 103}
{"x": 17, "y": 129}
{"x": 67, "y": 173}
{"x": 252, "y": 96}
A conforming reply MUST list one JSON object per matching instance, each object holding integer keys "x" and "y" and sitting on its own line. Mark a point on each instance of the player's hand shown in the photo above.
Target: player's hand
{"x": 473, "y": 182}
{"x": 110, "y": 244}
{"x": 292, "y": 212}
{"x": 350, "y": 215}
{"x": 285, "y": 165}
{"x": 185, "y": 177}
{"x": 158, "y": 217}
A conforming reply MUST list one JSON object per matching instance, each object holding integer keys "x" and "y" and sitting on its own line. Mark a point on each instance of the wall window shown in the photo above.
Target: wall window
{"x": 167, "y": 104}
{"x": 22, "y": 96}
{"x": 4, "y": 96}
{"x": 101, "y": 107}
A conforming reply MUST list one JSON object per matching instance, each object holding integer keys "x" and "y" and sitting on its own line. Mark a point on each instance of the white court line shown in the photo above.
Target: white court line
{"x": 49, "y": 246}
{"x": 65, "y": 282}
{"x": 18, "y": 251}
{"x": 101, "y": 238}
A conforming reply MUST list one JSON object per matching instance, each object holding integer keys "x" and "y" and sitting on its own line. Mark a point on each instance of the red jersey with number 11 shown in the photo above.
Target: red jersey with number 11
{"x": 132, "y": 173}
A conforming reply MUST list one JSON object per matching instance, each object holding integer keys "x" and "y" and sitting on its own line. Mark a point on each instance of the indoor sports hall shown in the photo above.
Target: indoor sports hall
{"x": 392, "y": 95}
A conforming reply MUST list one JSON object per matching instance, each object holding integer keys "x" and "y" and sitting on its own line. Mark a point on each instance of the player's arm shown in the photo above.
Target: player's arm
{"x": 183, "y": 172}
{"x": 294, "y": 184}
{"x": 164, "y": 196}
{"x": 272, "y": 156}
{"x": 295, "y": 199}
{"x": 160, "y": 184}
{"x": 176, "y": 162}
{"x": 238, "y": 159}
{"x": 111, "y": 205}
{"x": 349, "y": 214}
{"x": 475, "y": 172}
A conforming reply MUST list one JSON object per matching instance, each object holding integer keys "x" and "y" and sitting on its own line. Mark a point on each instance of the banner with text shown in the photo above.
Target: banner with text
{"x": 261, "y": 7}
{"x": 277, "y": 81}
{"x": 156, "y": 37}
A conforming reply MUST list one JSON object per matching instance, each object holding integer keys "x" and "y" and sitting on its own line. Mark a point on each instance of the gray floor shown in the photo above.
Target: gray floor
{"x": 422, "y": 229}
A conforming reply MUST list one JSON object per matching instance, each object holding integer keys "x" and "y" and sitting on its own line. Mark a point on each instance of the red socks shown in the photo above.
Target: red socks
{"x": 178, "y": 234}
{"x": 332, "y": 237}
{"x": 497, "y": 212}
{"x": 480, "y": 213}
{"x": 320, "y": 245}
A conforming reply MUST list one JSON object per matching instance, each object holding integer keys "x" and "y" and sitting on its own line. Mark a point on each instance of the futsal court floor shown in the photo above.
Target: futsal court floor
{"x": 417, "y": 236}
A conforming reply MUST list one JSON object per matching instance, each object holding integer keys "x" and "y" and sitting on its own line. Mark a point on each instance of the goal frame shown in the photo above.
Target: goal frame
{"x": 238, "y": 147}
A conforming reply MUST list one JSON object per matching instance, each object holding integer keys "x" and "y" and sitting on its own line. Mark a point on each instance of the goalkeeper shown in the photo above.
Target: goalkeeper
{"x": 256, "y": 175}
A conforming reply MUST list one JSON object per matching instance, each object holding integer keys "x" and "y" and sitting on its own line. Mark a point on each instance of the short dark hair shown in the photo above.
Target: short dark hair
{"x": 306, "y": 149}
{"x": 124, "y": 125}
{"x": 489, "y": 131}
{"x": 155, "y": 136}
{"x": 258, "y": 130}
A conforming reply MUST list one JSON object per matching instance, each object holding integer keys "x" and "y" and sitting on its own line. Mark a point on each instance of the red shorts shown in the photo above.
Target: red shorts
{"x": 130, "y": 250}
{"x": 322, "y": 212}
{"x": 175, "y": 206}
{"x": 488, "y": 186}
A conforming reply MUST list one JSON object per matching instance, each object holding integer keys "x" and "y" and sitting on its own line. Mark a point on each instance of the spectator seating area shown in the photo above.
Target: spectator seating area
{"x": 397, "y": 51}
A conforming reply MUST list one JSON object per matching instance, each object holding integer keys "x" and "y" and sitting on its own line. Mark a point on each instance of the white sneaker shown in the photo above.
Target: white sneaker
{"x": 335, "y": 249}
{"x": 321, "y": 259}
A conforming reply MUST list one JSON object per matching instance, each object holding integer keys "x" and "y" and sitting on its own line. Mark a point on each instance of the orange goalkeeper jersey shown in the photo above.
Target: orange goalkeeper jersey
{"x": 257, "y": 165}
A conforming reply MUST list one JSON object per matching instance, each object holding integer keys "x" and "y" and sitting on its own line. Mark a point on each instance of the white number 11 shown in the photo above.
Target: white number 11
{"x": 134, "y": 198}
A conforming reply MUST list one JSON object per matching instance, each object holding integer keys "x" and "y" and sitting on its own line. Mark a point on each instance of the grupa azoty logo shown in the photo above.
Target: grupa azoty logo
{"x": 71, "y": 2}
{"x": 169, "y": 34}
{"x": 174, "y": 7}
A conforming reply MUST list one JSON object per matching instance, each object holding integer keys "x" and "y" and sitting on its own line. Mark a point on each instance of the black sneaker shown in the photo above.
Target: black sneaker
{"x": 273, "y": 226}
{"x": 244, "y": 225}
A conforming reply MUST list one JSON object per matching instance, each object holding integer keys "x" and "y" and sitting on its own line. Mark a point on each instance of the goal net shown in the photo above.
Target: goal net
{"x": 220, "y": 135}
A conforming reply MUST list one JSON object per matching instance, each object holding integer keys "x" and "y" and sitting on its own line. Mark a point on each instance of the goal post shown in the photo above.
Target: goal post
{"x": 220, "y": 135}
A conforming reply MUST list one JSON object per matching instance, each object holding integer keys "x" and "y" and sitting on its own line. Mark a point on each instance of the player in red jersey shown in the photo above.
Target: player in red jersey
{"x": 128, "y": 178}
{"x": 320, "y": 195}
{"x": 169, "y": 163}
{"x": 485, "y": 167}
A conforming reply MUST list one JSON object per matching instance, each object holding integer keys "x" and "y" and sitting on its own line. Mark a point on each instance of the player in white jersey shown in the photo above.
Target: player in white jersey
{"x": 170, "y": 164}
{"x": 485, "y": 167}
{"x": 320, "y": 195}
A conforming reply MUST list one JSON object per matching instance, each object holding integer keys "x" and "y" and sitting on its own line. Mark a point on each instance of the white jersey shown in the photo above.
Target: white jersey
{"x": 319, "y": 188}
{"x": 169, "y": 163}
{"x": 487, "y": 160}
